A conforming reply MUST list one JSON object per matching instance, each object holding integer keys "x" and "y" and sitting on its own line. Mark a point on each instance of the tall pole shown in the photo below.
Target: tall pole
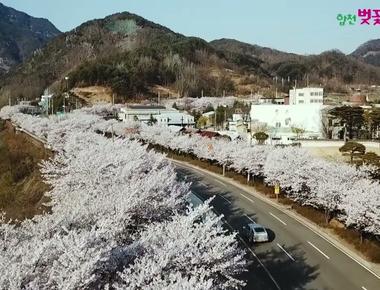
{"x": 10, "y": 101}
{"x": 250, "y": 130}
{"x": 66, "y": 95}
{"x": 225, "y": 117}
{"x": 215, "y": 120}
{"x": 113, "y": 135}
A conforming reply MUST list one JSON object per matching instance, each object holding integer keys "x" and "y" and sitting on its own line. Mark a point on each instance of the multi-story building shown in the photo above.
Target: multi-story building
{"x": 302, "y": 114}
{"x": 305, "y": 96}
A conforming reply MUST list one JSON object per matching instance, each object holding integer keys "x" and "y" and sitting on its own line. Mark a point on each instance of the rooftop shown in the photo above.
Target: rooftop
{"x": 146, "y": 107}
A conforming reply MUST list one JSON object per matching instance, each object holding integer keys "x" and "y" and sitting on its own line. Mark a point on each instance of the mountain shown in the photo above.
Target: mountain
{"x": 333, "y": 69}
{"x": 266, "y": 54}
{"x": 369, "y": 52}
{"x": 134, "y": 58}
{"x": 20, "y": 36}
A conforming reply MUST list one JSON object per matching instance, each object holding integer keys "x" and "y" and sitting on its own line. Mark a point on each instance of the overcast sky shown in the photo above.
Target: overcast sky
{"x": 300, "y": 26}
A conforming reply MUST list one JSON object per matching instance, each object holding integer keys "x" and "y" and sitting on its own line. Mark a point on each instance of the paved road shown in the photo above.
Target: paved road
{"x": 296, "y": 257}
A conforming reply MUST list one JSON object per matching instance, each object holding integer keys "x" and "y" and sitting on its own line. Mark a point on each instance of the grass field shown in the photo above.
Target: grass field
{"x": 333, "y": 154}
{"x": 21, "y": 186}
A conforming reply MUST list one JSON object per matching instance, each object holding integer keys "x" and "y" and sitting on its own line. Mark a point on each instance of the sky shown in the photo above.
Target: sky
{"x": 299, "y": 26}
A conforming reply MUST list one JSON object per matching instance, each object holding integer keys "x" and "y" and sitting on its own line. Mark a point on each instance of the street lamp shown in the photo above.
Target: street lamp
{"x": 66, "y": 96}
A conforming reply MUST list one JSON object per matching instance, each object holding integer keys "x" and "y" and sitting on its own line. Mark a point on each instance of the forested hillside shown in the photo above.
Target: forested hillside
{"x": 20, "y": 36}
{"x": 133, "y": 56}
{"x": 333, "y": 69}
{"x": 130, "y": 55}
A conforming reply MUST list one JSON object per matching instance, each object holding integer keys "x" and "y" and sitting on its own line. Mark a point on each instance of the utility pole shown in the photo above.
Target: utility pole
{"x": 159, "y": 98}
{"x": 225, "y": 117}
{"x": 250, "y": 130}
{"x": 64, "y": 104}
{"x": 113, "y": 99}
{"x": 113, "y": 135}
{"x": 10, "y": 101}
{"x": 215, "y": 120}
{"x": 66, "y": 95}
{"x": 202, "y": 93}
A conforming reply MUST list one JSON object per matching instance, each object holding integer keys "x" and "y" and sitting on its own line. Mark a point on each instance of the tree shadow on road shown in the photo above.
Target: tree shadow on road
{"x": 288, "y": 274}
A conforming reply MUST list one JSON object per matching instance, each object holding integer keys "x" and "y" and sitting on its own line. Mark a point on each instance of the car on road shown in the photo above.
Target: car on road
{"x": 255, "y": 233}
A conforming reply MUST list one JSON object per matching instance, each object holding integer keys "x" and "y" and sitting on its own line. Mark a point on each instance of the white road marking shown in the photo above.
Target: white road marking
{"x": 315, "y": 247}
{"x": 253, "y": 254}
{"x": 250, "y": 218}
{"x": 277, "y": 218}
{"x": 264, "y": 199}
{"x": 262, "y": 265}
{"x": 225, "y": 199}
{"x": 204, "y": 184}
{"x": 290, "y": 256}
{"x": 364, "y": 288}
{"x": 247, "y": 198}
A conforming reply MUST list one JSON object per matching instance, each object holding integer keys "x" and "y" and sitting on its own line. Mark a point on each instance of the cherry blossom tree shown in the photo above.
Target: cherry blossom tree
{"x": 114, "y": 207}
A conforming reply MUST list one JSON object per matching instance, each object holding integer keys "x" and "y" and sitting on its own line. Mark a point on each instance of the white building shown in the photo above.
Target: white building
{"x": 238, "y": 124}
{"x": 142, "y": 113}
{"x": 162, "y": 115}
{"x": 303, "y": 112}
{"x": 306, "y": 96}
{"x": 174, "y": 119}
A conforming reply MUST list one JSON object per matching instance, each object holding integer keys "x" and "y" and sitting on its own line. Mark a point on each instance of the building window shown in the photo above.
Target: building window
{"x": 278, "y": 124}
{"x": 300, "y": 102}
{"x": 321, "y": 93}
{"x": 312, "y": 94}
{"x": 301, "y": 94}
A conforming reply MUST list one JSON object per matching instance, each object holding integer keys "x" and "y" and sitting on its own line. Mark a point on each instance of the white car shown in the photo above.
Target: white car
{"x": 256, "y": 233}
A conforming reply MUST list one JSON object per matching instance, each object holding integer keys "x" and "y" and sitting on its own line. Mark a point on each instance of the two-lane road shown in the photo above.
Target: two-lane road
{"x": 296, "y": 257}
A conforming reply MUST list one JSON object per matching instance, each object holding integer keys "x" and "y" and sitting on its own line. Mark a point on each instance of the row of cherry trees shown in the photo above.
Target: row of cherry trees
{"x": 119, "y": 219}
{"x": 340, "y": 190}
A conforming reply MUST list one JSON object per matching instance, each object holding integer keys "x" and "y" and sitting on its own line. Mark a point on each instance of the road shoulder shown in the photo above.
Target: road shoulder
{"x": 328, "y": 236}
